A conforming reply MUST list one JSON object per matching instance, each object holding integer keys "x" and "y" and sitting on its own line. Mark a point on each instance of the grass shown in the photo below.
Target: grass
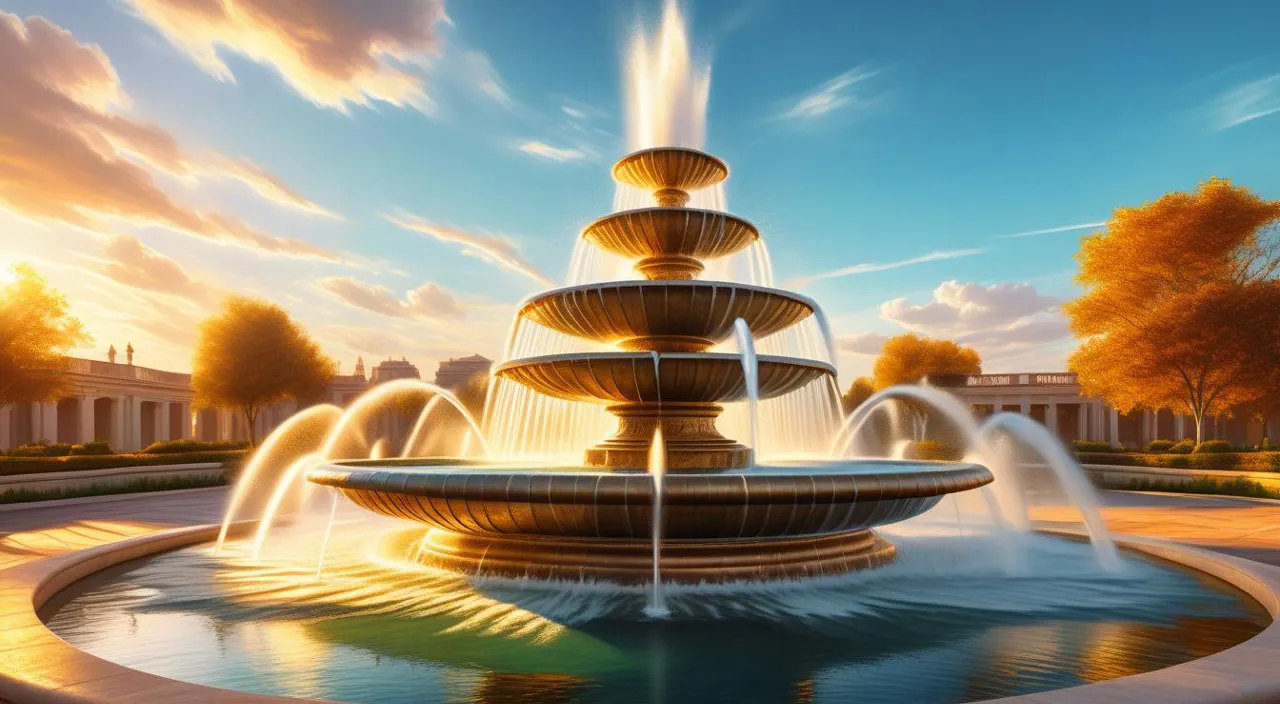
{"x": 1199, "y": 485}
{"x": 17, "y": 496}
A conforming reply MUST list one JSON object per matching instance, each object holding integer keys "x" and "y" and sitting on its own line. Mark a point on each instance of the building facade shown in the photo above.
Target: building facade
{"x": 127, "y": 406}
{"x": 453, "y": 373}
{"x": 1055, "y": 400}
{"x": 393, "y": 369}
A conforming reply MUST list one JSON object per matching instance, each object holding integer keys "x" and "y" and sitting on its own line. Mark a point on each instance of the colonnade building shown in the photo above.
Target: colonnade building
{"x": 1055, "y": 399}
{"x": 131, "y": 407}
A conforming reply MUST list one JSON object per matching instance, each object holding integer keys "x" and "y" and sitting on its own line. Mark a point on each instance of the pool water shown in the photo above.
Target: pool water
{"x": 953, "y": 620}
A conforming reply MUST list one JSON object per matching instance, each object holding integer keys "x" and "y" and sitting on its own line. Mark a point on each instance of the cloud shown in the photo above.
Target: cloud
{"x": 486, "y": 79}
{"x": 332, "y": 53}
{"x": 132, "y": 263}
{"x": 574, "y": 112}
{"x": 547, "y": 151}
{"x": 371, "y": 341}
{"x": 1247, "y": 102}
{"x": 66, "y": 155}
{"x": 995, "y": 319}
{"x": 867, "y": 343}
{"x": 828, "y": 97}
{"x": 490, "y": 248}
{"x": 429, "y": 300}
{"x": 1051, "y": 230}
{"x": 935, "y": 256}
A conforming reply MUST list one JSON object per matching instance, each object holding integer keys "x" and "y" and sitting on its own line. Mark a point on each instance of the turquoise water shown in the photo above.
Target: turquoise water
{"x": 949, "y": 622}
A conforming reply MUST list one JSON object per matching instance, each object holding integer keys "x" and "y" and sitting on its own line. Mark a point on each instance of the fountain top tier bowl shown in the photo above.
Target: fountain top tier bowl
{"x": 670, "y": 172}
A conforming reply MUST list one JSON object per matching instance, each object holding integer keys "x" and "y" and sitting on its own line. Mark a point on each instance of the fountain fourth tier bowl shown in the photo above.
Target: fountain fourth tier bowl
{"x": 678, "y": 393}
{"x": 665, "y": 316}
{"x": 785, "y": 521}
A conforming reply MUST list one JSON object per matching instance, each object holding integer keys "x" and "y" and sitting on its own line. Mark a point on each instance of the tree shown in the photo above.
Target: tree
{"x": 36, "y": 332}
{"x": 907, "y": 359}
{"x": 1179, "y": 308}
{"x": 860, "y": 390}
{"x": 251, "y": 354}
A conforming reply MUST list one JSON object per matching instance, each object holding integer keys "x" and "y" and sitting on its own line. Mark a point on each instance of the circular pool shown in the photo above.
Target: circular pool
{"x": 957, "y": 618}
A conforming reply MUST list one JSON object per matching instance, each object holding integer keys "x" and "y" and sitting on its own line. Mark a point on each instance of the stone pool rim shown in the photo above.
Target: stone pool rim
{"x": 38, "y": 667}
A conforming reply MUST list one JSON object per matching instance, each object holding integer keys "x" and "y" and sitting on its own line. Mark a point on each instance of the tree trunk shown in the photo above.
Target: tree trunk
{"x": 251, "y": 417}
{"x": 1199, "y": 428}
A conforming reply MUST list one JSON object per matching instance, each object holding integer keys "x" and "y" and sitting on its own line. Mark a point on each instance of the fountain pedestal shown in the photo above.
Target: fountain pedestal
{"x": 695, "y": 445}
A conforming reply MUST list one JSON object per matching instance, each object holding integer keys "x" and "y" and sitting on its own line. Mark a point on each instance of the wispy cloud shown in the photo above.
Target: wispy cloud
{"x": 547, "y": 151}
{"x": 828, "y": 97}
{"x": 935, "y": 256}
{"x": 429, "y": 300}
{"x": 347, "y": 52}
{"x": 72, "y": 154}
{"x": 490, "y": 248}
{"x": 1247, "y": 102}
{"x": 487, "y": 80}
{"x": 1051, "y": 230}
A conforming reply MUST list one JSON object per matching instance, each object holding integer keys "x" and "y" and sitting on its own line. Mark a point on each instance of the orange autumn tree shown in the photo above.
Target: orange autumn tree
{"x": 907, "y": 359}
{"x": 1179, "y": 306}
{"x": 859, "y": 391}
{"x": 251, "y": 354}
{"x": 36, "y": 332}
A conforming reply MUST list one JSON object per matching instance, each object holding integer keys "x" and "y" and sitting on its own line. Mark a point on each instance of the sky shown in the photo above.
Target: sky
{"x": 399, "y": 175}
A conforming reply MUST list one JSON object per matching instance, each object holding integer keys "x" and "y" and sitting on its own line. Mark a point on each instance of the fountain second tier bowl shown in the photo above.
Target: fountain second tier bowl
{"x": 801, "y": 519}
{"x": 666, "y": 316}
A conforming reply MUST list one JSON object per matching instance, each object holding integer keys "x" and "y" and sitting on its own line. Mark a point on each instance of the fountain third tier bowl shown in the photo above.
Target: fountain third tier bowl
{"x": 727, "y": 516}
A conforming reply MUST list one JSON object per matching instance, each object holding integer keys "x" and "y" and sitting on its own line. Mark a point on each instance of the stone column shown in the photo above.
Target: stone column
{"x": 45, "y": 421}
{"x": 1114, "y": 417}
{"x": 6, "y": 416}
{"x": 1051, "y": 416}
{"x": 117, "y": 437}
{"x": 186, "y": 421}
{"x": 1179, "y": 427}
{"x": 86, "y": 419}
{"x": 1082, "y": 420}
{"x": 162, "y": 421}
{"x": 1026, "y": 405}
{"x": 132, "y": 440}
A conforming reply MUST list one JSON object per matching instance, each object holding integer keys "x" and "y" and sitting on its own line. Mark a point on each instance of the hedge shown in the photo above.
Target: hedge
{"x": 170, "y": 447}
{"x": 17, "y": 496}
{"x": 10, "y": 466}
{"x": 1239, "y": 461}
{"x": 1237, "y": 486}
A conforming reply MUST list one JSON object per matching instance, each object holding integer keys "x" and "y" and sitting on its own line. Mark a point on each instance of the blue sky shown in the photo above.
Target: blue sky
{"x": 862, "y": 137}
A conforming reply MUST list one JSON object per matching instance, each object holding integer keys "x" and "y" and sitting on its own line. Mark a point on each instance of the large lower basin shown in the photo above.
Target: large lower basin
{"x": 803, "y": 499}
{"x": 641, "y": 377}
{"x": 668, "y": 316}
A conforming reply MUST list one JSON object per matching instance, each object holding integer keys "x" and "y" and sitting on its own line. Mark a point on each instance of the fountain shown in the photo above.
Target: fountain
{"x": 604, "y": 531}
{"x": 728, "y": 517}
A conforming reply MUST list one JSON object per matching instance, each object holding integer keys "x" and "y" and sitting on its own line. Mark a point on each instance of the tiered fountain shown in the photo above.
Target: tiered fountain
{"x": 726, "y": 516}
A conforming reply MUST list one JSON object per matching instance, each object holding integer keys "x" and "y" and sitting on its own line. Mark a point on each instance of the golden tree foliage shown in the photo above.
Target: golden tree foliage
{"x": 906, "y": 359}
{"x": 36, "y": 332}
{"x": 1179, "y": 309}
{"x": 859, "y": 391}
{"x": 251, "y": 354}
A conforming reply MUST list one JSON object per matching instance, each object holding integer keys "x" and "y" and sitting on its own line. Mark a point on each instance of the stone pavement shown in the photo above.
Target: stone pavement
{"x": 43, "y": 529}
{"x": 1248, "y": 528}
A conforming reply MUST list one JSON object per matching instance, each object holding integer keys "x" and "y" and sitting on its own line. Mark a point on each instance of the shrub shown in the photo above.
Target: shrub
{"x": 1183, "y": 447}
{"x": 1113, "y": 458}
{"x": 1159, "y": 446}
{"x": 36, "y": 465}
{"x": 1093, "y": 446}
{"x": 1214, "y": 446}
{"x": 170, "y": 447}
{"x": 99, "y": 447}
{"x": 29, "y": 450}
